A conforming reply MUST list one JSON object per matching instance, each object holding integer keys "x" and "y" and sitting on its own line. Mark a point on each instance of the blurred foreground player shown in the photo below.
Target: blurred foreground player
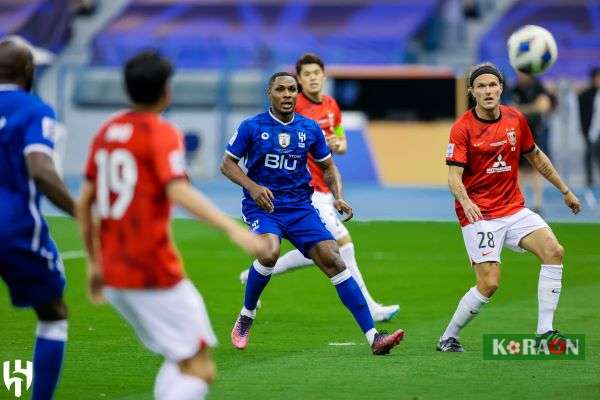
{"x": 323, "y": 109}
{"x": 483, "y": 155}
{"x": 135, "y": 171}
{"x": 30, "y": 263}
{"x": 277, "y": 204}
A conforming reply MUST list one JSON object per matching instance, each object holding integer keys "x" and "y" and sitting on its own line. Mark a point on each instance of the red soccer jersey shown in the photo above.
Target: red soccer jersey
{"x": 132, "y": 158}
{"x": 328, "y": 116}
{"x": 490, "y": 152}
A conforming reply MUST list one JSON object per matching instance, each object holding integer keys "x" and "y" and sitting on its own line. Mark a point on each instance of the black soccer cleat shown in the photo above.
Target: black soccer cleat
{"x": 450, "y": 345}
{"x": 549, "y": 338}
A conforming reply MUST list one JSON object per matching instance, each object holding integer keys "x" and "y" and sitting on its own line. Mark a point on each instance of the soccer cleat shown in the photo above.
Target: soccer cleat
{"x": 385, "y": 313}
{"x": 384, "y": 342}
{"x": 549, "y": 337}
{"x": 244, "y": 276}
{"x": 241, "y": 332}
{"x": 450, "y": 345}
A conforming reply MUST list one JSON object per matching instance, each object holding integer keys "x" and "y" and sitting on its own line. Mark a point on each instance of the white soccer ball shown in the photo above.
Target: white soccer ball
{"x": 532, "y": 49}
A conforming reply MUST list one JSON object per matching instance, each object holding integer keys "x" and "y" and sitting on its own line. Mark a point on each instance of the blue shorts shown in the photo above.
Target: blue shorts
{"x": 298, "y": 223}
{"x": 33, "y": 278}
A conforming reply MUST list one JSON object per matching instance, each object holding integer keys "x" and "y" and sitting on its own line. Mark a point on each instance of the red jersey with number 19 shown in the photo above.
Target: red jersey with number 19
{"x": 328, "y": 115}
{"x": 489, "y": 151}
{"x": 132, "y": 159}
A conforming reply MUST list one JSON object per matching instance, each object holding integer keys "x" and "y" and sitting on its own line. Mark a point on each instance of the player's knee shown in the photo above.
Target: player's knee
{"x": 269, "y": 258}
{"x": 54, "y": 311}
{"x": 555, "y": 252}
{"x": 200, "y": 366}
{"x": 488, "y": 285}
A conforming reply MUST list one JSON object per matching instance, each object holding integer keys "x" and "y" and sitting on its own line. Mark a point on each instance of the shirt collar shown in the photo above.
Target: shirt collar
{"x": 280, "y": 121}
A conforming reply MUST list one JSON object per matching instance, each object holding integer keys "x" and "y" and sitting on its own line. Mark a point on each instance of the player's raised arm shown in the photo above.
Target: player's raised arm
{"x": 43, "y": 172}
{"x": 459, "y": 192}
{"x": 180, "y": 191}
{"x": 540, "y": 161}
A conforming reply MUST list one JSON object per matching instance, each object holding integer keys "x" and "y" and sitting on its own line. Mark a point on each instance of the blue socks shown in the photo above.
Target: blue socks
{"x": 48, "y": 358}
{"x": 258, "y": 277}
{"x": 353, "y": 299}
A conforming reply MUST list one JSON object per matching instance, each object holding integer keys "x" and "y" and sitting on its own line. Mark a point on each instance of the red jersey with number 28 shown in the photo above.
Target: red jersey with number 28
{"x": 328, "y": 115}
{"x": 131, "y": 160}
{"x": 490, "y": 151}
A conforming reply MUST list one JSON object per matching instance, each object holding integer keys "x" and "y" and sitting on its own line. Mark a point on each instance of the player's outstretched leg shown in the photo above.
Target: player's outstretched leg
{"x": 187, "y": 380}
{"x": 488, "y": 278}
{"x": 326, "y": 256}
{"x": 378, "y": 311}
{"x": 545, "y": 246}
{"x": 49, "y": 349}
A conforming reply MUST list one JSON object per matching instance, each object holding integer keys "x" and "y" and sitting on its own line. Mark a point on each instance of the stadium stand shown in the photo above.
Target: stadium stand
{"x": 45, "y": 23}
{"x": 257, "y": 34}
{"x": 574, "y": 23}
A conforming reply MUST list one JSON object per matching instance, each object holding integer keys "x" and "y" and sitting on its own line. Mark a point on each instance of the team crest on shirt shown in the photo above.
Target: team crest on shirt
{"x": 284, "y": 139}
{"x": 512, "y": 136}
{"x": 450, "y": 150}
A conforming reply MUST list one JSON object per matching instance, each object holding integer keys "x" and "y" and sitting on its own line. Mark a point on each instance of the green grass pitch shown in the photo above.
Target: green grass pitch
{"x": 420, "y": 265}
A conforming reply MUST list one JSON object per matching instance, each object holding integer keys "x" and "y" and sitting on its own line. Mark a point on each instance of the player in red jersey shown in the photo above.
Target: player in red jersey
{"x": 483, "y": 155}
{"x": 135, "y": 171}
{"x": 314, "y": 104}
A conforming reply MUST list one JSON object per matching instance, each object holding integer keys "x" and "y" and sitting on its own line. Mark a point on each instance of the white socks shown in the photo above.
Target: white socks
{"x": 549, "y": 287}
{"x": 171, "y": 384}
{"x": 290, "y": 260}
{"x": 468, "y": 307}
{"x": 347, "y": 253}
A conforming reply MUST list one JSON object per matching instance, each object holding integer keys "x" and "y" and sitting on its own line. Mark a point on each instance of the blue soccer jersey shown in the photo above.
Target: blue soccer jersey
{"x": 30, "y": 257}
{"x": 276, "y": 154}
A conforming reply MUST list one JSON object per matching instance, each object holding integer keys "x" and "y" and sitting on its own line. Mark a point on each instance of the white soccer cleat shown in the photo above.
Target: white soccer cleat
{"x": 244, "y": 276}
{"x": 385, "y": 313}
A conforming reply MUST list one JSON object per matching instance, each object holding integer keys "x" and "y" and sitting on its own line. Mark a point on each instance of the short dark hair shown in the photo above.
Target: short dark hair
{"x": 309, "y": 58}
{"x": 594, "y": 72}
{"x": 146, "y": 76}
{"x": 278, "y": 74}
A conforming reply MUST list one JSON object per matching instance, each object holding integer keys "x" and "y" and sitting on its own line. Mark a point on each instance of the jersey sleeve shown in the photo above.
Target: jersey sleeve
{"x": 527, "y": 140}
{"x": 40, "y": 131}
{"x": 338, "y": 129}
{"x": 456, "y": 153}
{"x": 168, "y": 154}
{"x": 319, "y": 149}
{"x": 239, "y": 143}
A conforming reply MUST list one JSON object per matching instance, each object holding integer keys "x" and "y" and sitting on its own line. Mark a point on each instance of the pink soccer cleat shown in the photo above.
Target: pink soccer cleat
{"x": 241, "y": 332}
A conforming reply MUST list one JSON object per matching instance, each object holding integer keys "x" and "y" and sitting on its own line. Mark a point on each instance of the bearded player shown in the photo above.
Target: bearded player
{"x": 483, "y": 155}
{"x": 316, "y": 105}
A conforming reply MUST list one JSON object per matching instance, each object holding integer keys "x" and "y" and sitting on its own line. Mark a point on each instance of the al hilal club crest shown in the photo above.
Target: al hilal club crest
{"x": 512, "y": 136}
{"x": 284, "y": 140}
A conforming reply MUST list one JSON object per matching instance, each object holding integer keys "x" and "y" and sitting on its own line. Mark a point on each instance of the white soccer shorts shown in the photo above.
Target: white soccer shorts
{"x": 485, "y": 239}
{"x": 323, "y": 202}
{"x": 172, "y": 322}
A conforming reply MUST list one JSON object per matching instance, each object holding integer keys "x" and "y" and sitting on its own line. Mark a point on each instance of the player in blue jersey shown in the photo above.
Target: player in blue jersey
{"x": 277, "y": 204}
{"x": 30, "y": 265}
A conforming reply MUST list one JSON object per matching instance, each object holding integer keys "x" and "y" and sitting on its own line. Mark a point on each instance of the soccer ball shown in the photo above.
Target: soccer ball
{"x": 532, "y": 49}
